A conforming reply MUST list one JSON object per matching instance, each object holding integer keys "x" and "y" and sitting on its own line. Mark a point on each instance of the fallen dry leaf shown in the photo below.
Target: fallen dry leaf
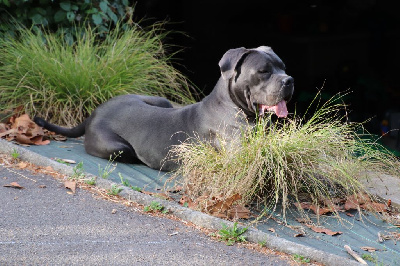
{"x": 314, "y": 208}
{"x": 14, "y": 185}
{"x": 49, "y": 168}
{"x": 189, "y": 202}
{"x": 353, "y": 202}
{"x": 42, "y": 186}
{"x": 369, "y": 249}
{"x": 220, "y": 208}
{"x": 375, "y": 206}
{"x": 22, "y": 165}
{"x": 71, "y": 185}
{"x": 175, "y": 189}
{"x": 22, "y": 129}
{"x": 238, "y": 212}
{"x": 271, "y": 229}
{"x": 323, "y": 230}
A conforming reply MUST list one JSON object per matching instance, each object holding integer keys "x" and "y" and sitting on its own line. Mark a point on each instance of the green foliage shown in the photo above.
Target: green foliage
{"x": 64, "y": 83}
{"x": 231, "y": 235}
{"x": 110, "y": 166}
{"x": 64, "y": 15}
{"x": 79, "y": 172}
{"x": 15, "y": 154}
{"x": 282, "y": 162}
{"x": 301, "y": 259}
{"x": 126, "y": 184}
{"x": 91, "y": 181}
{"x": 114, "y": 190}
{"x": 369, "y": 257}
{"x": 262, "y": 243}
{"x": 155, "y": 207}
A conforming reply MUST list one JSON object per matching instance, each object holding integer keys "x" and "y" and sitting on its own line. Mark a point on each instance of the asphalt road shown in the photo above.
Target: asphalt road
{"x": 44, "y": 225}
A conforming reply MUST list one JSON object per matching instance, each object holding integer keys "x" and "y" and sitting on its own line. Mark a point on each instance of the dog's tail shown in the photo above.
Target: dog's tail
{"x": 74, "y": 132}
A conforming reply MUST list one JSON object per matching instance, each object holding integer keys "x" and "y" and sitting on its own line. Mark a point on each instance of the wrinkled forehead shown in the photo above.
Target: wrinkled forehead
{"x": 260, "y": 59}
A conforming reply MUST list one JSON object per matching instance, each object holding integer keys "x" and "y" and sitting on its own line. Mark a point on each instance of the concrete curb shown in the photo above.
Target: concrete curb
{"x": 186, "y": 214}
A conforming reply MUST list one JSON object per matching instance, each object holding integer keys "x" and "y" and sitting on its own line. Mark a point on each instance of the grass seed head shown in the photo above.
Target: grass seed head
{"x": 276, "y": 163}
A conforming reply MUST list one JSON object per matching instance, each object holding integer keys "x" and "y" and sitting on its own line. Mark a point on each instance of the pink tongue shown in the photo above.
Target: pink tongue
{"x": 280, "y": 109}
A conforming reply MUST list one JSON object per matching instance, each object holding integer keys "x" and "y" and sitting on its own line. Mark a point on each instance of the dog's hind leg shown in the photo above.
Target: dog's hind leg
{"x": 104, "y": 144}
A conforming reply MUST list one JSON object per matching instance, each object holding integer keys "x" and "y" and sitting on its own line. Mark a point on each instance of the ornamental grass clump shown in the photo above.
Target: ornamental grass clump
{"x": 321, "y": 158}
{"x": 64, "y": 82}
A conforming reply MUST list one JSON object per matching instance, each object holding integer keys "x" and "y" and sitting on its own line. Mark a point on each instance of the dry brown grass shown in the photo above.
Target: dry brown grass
{"x": 322, "y": 158}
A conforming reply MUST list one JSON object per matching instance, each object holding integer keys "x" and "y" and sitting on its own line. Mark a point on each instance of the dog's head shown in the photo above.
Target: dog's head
{"x": 257, "y": 80}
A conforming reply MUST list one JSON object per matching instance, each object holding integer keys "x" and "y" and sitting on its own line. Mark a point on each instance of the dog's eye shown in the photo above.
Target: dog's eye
{"x": 263, "y": 71}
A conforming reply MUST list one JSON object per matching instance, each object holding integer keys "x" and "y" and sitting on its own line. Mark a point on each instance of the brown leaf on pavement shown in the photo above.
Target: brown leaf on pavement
{"x": 14, "y": 185}
{"x": 49, "y": 168}
{"x": 22, "y": 165}
{"x": 71, "y": 185}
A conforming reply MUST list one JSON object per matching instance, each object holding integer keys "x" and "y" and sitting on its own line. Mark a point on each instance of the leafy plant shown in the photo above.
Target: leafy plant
{"x": 15, "y": 154}
{"x": 64, "y": 82}
{"x": 262, "y": 243}
{"x": 301, "y": 259}
{"x": 233, "y": 234}
{"x": 126, "y": 184}
{"x": 78, "y": 171}
{"x": 136, "y": 188}
{"x": 276, "y": 163}
{"x": 64, "y": 15}
{"x": 155, "y": 207}
{"x": 369, "y": 257}
{"x": 114, "y": 190}
{"x": 91, "y": 181}
{"x": 110, "y": 166}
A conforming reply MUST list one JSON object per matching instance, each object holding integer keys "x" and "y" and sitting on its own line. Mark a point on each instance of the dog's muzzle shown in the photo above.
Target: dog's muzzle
{"x": 280, "y": 109}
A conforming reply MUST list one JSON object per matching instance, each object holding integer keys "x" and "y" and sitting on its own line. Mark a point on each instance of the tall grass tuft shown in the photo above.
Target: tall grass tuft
{"x": 66, "y": 82}
{"x": 278, "y": 163}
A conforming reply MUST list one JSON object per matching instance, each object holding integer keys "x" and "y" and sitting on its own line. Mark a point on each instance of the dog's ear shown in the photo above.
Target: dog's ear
{"x": 228, "y": 62}
{"x": 265, "y": 49}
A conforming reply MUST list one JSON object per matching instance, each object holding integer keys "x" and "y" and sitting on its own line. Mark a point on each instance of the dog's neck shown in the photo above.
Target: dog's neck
{"x": 228, "y": 102}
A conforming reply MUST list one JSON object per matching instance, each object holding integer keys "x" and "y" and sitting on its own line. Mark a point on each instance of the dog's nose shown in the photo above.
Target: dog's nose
{"x": 288, "y": 81}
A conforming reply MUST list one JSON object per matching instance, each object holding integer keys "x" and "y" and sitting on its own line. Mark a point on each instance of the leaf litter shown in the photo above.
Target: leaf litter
{"x": 22, "y": 130}
{"x": 14, "y": 185}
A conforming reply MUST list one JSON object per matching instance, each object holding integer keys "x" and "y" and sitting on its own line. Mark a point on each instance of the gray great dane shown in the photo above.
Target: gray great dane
{"x": 144, "y": 128}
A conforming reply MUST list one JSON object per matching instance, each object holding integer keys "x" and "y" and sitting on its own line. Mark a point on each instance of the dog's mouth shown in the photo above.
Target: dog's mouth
{"x": 280, "y": 109}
